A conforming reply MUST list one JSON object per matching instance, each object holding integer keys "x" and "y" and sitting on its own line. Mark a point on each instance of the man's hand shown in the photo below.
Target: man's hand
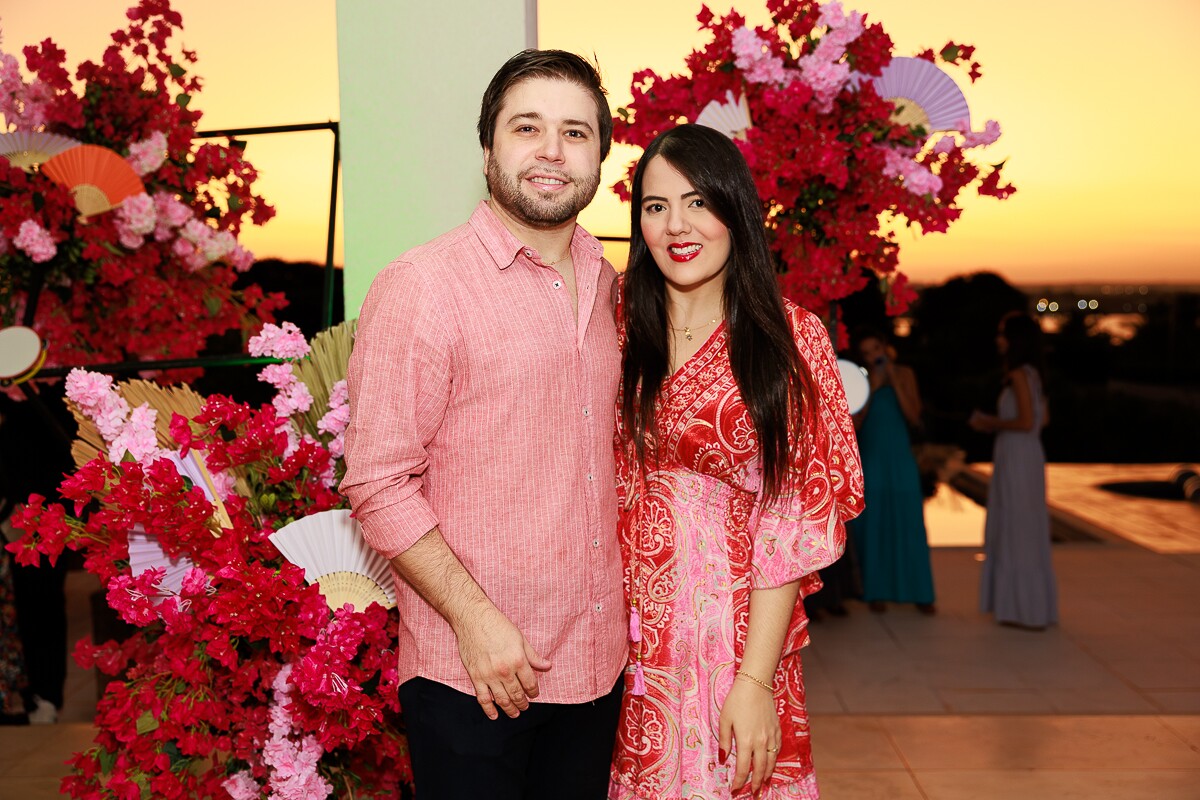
{"x": 503, "y": 666}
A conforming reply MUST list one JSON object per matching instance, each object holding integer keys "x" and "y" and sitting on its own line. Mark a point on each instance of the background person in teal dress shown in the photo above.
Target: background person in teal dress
{"x": 889, "y": 537}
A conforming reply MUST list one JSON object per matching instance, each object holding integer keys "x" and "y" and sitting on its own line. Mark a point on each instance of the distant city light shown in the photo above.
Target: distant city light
{"x": 1053, "y": 305}
{"x": 1093, "y": 305}
{"x": 1141, "y": 308}
{"x": 1042, "y": 305}
{"x": 1143, "y": 290}
{"x": 1082, "y": 304}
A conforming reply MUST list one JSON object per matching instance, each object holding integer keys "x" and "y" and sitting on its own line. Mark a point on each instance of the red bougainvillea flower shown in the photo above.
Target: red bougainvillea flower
{"x": 151, "y": 281}
{"x": 201, "y": 700}
{"x": 835, "y": 172}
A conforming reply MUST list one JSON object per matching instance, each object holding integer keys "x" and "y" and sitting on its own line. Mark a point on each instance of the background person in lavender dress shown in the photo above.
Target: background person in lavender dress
{"x": 1018, "y": 586}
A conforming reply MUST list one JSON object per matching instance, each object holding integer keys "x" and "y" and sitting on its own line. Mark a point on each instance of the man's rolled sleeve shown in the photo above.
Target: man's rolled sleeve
{"x": 399, "y": 387}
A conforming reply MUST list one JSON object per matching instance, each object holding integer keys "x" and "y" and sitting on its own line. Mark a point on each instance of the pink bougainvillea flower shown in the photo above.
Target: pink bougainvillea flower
{"x": 147, "y": 155}
{"x": 279, "y": 341}
{"x": 989, "y": 134}
{"x": 35, "y": 241}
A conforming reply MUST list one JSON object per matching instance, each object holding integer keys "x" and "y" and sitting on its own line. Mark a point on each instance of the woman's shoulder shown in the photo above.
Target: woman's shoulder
{"x": 1024, "y": 377}
{"x": 1020, "y": 373}
{"x": 802, "y": 320}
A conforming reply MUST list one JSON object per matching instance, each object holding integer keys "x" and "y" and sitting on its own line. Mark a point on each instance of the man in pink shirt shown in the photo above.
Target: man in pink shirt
{"x": 479, "y": 458}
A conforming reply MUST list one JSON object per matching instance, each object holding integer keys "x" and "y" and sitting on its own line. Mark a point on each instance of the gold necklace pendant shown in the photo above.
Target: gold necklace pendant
{"x": 686, "y": 330}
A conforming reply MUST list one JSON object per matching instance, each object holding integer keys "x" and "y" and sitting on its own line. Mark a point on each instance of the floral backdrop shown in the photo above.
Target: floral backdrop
{"x": 240, "y": 682}
{"x": 836, "y": 173}
{"x": 154, "y": 277}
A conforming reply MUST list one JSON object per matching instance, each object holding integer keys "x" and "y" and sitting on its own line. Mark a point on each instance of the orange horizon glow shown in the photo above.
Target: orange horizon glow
{"x": 1094, "y": 100}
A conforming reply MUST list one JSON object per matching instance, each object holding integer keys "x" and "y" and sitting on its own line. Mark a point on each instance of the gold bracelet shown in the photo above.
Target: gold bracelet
{"x": 763, "y": 684}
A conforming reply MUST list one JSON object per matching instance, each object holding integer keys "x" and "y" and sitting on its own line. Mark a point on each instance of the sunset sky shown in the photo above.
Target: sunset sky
{"x": 1097, "y": 101}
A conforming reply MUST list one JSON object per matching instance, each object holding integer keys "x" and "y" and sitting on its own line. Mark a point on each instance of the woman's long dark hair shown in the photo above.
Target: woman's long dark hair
{"x": 1024, "y": 338}
{"x": 773, "y": 380}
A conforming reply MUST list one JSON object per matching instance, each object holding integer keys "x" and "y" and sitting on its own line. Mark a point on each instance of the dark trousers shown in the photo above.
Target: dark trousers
{"x": 551, "y": 751}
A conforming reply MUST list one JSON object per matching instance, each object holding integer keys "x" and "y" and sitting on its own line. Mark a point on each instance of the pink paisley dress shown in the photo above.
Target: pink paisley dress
{"x": 696, "y": 541}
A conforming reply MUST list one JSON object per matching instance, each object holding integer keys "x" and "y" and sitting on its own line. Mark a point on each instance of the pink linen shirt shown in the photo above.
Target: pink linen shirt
{"x": 480, "y": 404}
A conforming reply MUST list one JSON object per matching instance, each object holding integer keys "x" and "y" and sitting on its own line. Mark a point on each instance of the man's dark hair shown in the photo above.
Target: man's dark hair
{"x": 556, "y": 64}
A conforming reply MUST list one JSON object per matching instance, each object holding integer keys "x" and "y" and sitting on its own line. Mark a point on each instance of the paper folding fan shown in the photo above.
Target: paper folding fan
{"x": 22, "y": 353}
{"x": 27, "y": 149}
{"x": 144, "y": 550}
{"x": 97, "y": 177}
{"x": 855, "y": 383}
{"x": 731, "y": 117}
{"x": 923, "y": 95}
{"x": 145, "y": 553}
{"x": 329, "y": 547}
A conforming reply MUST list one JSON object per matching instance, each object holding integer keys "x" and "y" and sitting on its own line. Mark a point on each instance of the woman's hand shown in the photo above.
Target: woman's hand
{"x": 984, "y": 423}
{"x": 748, "y": 718}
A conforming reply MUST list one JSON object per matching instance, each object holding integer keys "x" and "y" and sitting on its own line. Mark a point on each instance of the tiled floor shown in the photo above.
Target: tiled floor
{"x": 1105, "y": 706}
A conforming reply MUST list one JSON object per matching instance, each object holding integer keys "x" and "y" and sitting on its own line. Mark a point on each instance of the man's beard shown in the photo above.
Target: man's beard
{"x": 540, "y": 212}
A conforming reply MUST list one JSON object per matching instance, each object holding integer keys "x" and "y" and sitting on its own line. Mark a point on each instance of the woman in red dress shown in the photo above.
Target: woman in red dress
{"x": 738, "y": 469}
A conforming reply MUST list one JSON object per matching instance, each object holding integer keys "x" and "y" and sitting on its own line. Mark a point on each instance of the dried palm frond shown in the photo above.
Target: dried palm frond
{"x": 324, "y": 367}
{"x": 88, "y": 442}
{"x": 166, "y": 401}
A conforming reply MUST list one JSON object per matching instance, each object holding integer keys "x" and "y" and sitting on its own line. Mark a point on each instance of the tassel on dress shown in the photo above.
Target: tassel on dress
{"x": 635, "y": 625}
{"x": 639, "y": 681}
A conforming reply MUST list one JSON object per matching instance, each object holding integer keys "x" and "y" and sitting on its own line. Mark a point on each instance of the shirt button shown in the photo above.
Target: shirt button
{"x": 587, "y": 411}
{"x": 591, "y": 477}
{"x": 598, "y": 607}
{"x": 557, "y": 284}
{"x": 529, "y": 254}
{"x": 595, "y": 542}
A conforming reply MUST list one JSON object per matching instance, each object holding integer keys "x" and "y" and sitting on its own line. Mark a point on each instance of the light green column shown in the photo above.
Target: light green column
{"x": 411, "y": 74}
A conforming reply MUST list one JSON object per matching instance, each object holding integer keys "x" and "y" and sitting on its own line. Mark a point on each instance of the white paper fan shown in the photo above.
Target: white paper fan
{"x": 27, "y": 149}
{"x": 22, "y": 353}
{"x": 145, "y": 553}
{"x": 144, "y": 550}
{"x": 330, "y": 547}
{"x": 855, "y": 383}
{"x": 191, "y": 469}
{"x": 730, "y": 118}
{"x": 923, "y": 94}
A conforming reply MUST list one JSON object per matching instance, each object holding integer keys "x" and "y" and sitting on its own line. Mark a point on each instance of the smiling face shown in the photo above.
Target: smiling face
{"x": 543, "y": 167}
{"x": 688, "y": 242}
